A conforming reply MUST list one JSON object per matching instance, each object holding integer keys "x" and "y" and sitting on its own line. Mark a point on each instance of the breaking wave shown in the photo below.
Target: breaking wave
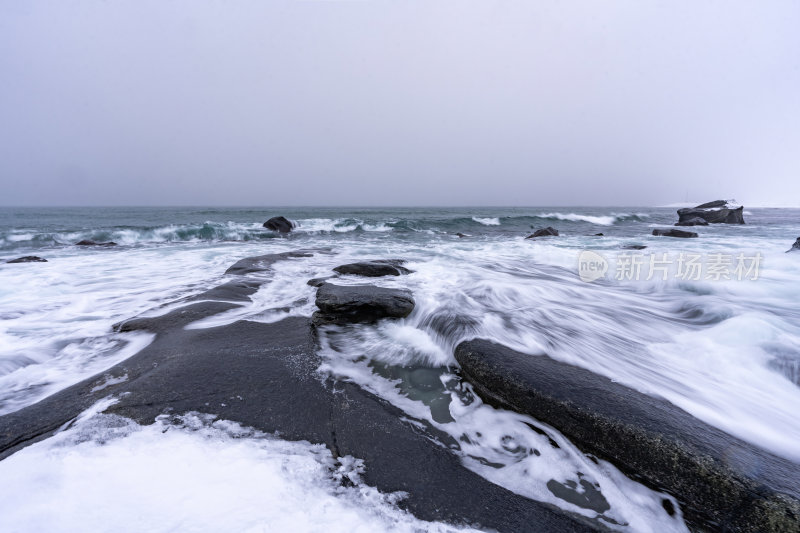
{"x": 607, "y": 220}
{"x": 487, "y": 221}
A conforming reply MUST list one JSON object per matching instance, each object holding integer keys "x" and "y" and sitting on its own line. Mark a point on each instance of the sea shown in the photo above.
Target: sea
{"x": 710, "y": 324}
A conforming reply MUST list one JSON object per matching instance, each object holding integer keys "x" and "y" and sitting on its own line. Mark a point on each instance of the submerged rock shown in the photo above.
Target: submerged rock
{"x": 342, "y": 304}
{"x": 461, "y": 235}
{"x": 279, "y": 224}
{"x": 795, "y": 247}
{"x": 88, "y": 242}
{"x": 543, "y": 232}
{"x": 693, "y": 221}
{"x": 374, "y": 269}
{"x": 27, "y": 259}
{"x": 261, "y": 263}
{"x": 721, "y": 482}
{"x": 674, "y": 233}
{"x": 716, "y": 212}
{"x": 318, "y": 282}
{"x": 634, "y": 247}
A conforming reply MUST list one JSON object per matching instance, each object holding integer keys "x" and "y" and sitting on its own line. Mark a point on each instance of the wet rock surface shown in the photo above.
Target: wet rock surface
{"x": 721, "y": 482}
{"x": 87, "y": 242}
{"x": 544, "y": 232}
{"x": 279, "y": 224}
{"x": 674, "y": 233}
{"x": 343, "y": 304}
{"x": 262, "y": 263}
{"x": 795, "y": 247}
{"x": 374, "y": 269}
{"x": 28, "y": 259}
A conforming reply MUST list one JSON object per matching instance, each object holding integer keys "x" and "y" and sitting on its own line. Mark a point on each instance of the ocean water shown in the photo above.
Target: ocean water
{"x": 721, "y": 342}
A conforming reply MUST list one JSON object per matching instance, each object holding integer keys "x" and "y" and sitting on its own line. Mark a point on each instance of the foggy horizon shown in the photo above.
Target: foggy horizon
{"x": 381, "y": 104}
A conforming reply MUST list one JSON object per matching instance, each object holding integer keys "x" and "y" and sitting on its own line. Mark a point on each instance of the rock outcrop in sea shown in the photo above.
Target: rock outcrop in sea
{"x": 716, "y": 212}
{"x": 344, "y": 304}
{"x": 280, "y": 224}
{"x": 674, "y": 233}
{"x": 89, "y": 242}
{"x": 543, "y": 232}
{"x": 374, "y": 269}
{"x": 28, "y": 259}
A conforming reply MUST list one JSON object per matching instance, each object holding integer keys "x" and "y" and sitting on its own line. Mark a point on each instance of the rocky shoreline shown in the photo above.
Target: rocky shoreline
{"x": 265, "y": 376}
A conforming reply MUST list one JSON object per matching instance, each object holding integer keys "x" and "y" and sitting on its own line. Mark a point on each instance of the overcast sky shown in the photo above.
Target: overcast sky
{"x": 190, "y": 102}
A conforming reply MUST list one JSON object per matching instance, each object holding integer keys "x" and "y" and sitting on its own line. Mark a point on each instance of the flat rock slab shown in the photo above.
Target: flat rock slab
{"x": 28, "y": 259}
{"x": 262, "y": 263}
{"x": 374, "y": 269}
{"x": 343, "y": 304}
{"x": 674, "y": 233}
{"x": 264, "y": 376}
{"x": 87, "y": 242}
{"x": 722, "y": 483}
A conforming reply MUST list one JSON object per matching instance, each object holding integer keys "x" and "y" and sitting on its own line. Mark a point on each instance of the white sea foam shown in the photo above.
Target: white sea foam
{"x": 106, "y": 473}
{"x": 599, "y": 220}
{"x": 502, "y": 446}
{"x": 488, "y": 221}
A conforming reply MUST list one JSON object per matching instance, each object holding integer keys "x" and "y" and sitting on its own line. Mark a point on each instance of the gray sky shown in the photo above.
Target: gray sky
{"x": 189, "y": 102}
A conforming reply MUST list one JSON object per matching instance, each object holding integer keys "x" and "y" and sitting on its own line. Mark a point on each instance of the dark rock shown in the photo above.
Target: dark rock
{"x": 87, "y": 242}
{"x": 598, "y": 235}
{"x": 674, "y": 233}
{"x": 265, "y": 376}
{"x": 716, "y": 212}
{"x": 634, "y": 247}
{"x": 722, "y": 483}
{"x": 461, "y": 235}
{"x": 262, "y": 263}
{"x": 279, "y": 224}
{"x": 544, "y": 232}
{"x": 27, "y": 259}
{"x": 233, "y": 291}
{"x": 374, "y": 269}
{"x": 694, "y": 221}
{"x": 178, "y": 318}
{"x": 795, "y": 247}
{"x": 341, "y": 304}
{"x": 318, "y": 282}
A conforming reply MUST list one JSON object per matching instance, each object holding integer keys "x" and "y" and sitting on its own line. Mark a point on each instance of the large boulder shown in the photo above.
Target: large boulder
{"x": 721, "y": 482}
{"x": 342, "y": 304}
{"x": 716, "y": 212}
{"x": 374, "y": 269}
{"x": 27, "y": 259}
{"x": 543, "y": 232}
{"x": 674, "y": 233}
{"x": 279, "y": 224}
{"x": 89, "y": 242}
{"x": 795, "y": 247}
